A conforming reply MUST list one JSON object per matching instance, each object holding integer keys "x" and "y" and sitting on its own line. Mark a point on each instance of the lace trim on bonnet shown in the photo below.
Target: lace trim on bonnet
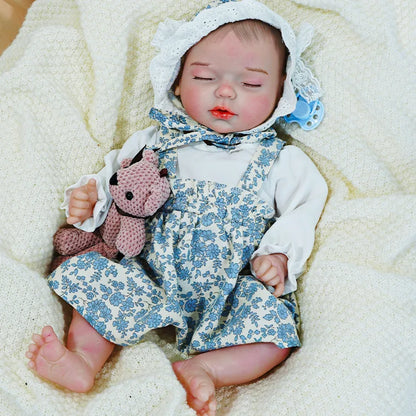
{"x": 173, "y": 38}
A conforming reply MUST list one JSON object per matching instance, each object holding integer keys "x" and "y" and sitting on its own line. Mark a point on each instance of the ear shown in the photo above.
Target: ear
{"x": 125, "y": 163}
{"x": 139, "y": 156}
{"x": 151, "y": 157}
{"x": 178, "y": 90}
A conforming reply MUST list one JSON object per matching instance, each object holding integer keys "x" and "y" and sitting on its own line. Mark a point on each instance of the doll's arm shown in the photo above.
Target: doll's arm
{"x": 112, "y": 163}
{"x": 100, "y": 208}
{"x": 299, "y": 192}
{"x": 82, "y": 202}
{"x": 271, "y": 269}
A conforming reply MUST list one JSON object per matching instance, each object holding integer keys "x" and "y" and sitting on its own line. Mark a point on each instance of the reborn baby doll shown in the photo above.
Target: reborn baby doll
{"x": 223, "y": 254}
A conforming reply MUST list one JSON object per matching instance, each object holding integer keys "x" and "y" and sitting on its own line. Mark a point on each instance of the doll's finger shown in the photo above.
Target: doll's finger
{"x": 274, "y": 283}
{"x": 80, "y": 203}
{"x": 92, "y": 184}
{"x": 261, "y": 266}
{"x": 77, "y": 212}
{"x": 86, "y": 192}
{"x": 92, "y": 189}
{"x": 79, "y": 195}
{"x": 75, "y": 218}
{"x": 278, "y": 290}
{"x": 72, "y": 220}
{"x": 270, "y": 277}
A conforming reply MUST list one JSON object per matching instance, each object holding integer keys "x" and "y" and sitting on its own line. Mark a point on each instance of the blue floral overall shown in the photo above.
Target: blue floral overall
{"x": 190, "y": 273}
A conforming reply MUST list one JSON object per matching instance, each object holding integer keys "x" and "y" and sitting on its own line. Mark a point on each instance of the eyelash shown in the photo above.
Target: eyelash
{"x": 245, "y": 84}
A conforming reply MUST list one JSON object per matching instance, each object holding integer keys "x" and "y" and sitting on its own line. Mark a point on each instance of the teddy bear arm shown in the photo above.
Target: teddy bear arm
{"x": 160, "y": 192}
{"x": 111, "y": 226}
{"x": 132, "y": 236}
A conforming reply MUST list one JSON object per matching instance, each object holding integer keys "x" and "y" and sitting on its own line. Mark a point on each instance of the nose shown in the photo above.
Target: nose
{"x": 225, "y": 90}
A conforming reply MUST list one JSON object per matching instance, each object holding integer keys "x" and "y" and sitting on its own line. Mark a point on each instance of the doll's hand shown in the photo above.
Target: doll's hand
{"x": 271, "y": 269}
{"x": 82, "y": 202}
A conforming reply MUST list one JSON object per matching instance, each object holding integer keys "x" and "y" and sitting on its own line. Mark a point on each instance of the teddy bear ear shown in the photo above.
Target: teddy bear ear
{"x": 146, "y": 154}
{"x": 125, "y": 163}
{"x": 138, "y": 157}
{"x": 150, "y": 156}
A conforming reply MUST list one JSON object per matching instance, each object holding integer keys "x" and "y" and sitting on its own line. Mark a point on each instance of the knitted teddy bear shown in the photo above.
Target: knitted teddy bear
{"x": 138, "y": 189}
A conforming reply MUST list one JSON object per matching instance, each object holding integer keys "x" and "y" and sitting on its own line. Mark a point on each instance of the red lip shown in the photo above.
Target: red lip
{"x": 222, "y": 113}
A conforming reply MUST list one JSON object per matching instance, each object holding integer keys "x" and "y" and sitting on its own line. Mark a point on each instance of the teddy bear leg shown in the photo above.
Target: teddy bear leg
{"x": 70, "y": 241}
{"x": 57, "y": 261}
{"x": 103, "y": 249}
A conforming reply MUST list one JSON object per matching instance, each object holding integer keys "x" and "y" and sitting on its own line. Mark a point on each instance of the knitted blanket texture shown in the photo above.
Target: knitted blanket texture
{"x": 74, "y": 84}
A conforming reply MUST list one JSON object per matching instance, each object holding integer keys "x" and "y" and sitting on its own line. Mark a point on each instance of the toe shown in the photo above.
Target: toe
{"x": 37, "y": 339}
{"x": 32, "y": 348}
{"x": 199, "y": 386}
{"x": 201, "y": 390}
{"x": 48, "y": 333}
{"x": 196, "y": 404}
{"x": 202, "y": 398}
{"x": 212, "y": 406}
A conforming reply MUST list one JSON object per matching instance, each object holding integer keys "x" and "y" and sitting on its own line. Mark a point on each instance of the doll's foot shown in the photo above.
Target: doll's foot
{"x": 199, "y": 385}
{"x": 51, "y": 360}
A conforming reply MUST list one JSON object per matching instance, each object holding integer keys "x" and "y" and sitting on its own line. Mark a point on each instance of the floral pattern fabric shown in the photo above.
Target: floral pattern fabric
{"x": 191, "y": 272}
{"x": 177, "y": 130}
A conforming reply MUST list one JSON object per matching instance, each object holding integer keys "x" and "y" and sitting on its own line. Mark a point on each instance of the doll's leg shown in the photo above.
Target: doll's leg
{"x": 75, "y": 365}
{"x": 240, "y": 364}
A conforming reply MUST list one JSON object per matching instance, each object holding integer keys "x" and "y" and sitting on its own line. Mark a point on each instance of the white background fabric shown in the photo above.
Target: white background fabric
{"x": 75, "y": 84}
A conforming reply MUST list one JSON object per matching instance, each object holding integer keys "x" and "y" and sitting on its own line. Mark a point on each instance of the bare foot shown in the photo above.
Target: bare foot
{"x": 199, "y": 385}
{"x": 50, "y": 359}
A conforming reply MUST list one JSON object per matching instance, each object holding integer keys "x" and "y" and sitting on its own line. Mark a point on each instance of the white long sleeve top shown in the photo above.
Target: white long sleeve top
{"x": 294, "y": 188}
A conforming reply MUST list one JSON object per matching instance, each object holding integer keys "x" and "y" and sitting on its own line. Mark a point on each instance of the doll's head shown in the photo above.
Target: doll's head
{"x": 233, "y": 51}
{"x": 233, "y": 78}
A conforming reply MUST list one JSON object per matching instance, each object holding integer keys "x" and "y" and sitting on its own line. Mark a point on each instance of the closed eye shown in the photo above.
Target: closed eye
{"x": 247, "y": 84}
{"x": 204, "y": 78}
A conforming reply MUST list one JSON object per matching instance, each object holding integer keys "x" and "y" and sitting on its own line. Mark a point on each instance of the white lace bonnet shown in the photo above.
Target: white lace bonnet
{"x": 173, "y": 38}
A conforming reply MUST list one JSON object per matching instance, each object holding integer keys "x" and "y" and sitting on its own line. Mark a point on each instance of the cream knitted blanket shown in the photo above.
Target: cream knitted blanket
{"x": 75, "y": 84}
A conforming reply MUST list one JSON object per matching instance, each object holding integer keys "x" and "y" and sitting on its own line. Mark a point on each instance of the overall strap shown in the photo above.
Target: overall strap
{"x": 180, "y": 130}
{"x": 168, "y": 153}
{"x": 261, "y": 163}
{"x": 168, "y": 159}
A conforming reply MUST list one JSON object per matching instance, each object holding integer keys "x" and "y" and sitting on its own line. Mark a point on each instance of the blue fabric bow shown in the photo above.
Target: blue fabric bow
{"x": 178, "y": 130}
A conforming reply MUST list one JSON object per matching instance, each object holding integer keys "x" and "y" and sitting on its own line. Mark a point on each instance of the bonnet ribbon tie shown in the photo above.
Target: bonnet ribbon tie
{"x": 179, "y": 130}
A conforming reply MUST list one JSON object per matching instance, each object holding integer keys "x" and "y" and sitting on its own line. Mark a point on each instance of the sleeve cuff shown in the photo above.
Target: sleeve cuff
{"x": 294, "y": 268}
{"x": 101, "y": 207}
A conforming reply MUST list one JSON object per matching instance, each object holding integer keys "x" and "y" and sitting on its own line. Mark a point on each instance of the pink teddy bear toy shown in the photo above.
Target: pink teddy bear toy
{"x": 138, "y": 189}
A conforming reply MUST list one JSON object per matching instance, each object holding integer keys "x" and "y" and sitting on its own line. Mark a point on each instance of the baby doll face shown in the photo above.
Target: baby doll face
{"x": 232, "y": 85}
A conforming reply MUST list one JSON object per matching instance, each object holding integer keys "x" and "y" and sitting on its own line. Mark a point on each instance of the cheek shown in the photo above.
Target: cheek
{"x": 192, "y": 101}
{"x": 258, "y": 109}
